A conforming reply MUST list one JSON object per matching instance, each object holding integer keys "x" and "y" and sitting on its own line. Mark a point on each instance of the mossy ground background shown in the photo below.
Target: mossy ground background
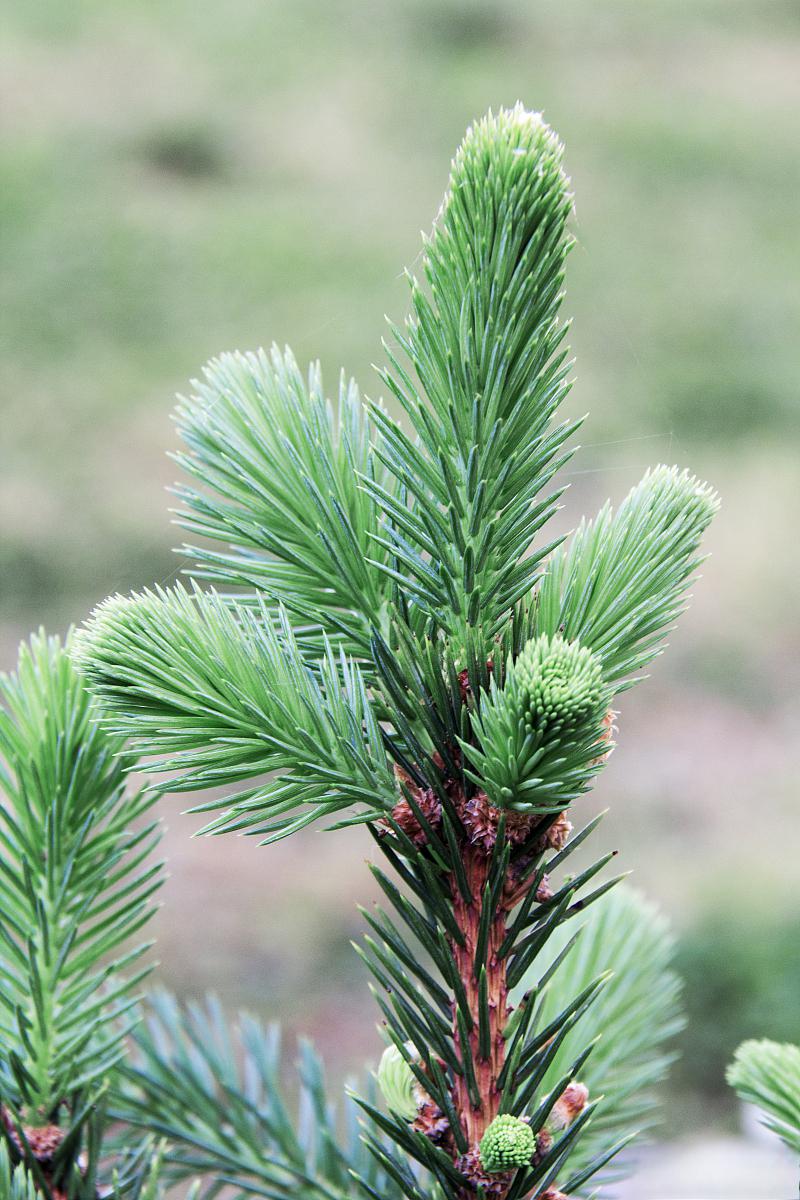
{"x": 177, "y": 179}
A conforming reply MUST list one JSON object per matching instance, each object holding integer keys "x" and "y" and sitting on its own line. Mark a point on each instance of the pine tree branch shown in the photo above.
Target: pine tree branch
{"x": 76, "y": 885}
{"x": 136, "y": 1175}
{"x": 486, "y": 663}
{"x": 224, "y": 695}
{"x": 486, "y": 374}
{"x": 620, "y": 583}
{"x": 767, "y": 1074}
{"x": 468, "y": 1060}
{"x": 636, "y": 1014}
{"x": 213, "y": 1091}
{"x": 276, "y": 474}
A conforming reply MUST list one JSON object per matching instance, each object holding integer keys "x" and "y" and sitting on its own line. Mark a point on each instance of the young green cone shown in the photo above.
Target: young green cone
{"x": 507, "y": 1145}
{"x": 540, "y": 734}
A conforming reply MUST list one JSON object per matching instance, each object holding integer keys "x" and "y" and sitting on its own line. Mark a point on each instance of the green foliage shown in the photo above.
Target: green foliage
{"x": 15, "y": 1181}
{"x": 226, "y": 695}
{"x": 768, "y": 1074}
{"x": 76, "y": 885}
{"x": 485, "y": 374}
{"x": 417, "y": 948}
{"x": 421, "y": 593}
{"x": 634, "y": 1016}
{"x": 508, "y": 1144}
{"x": 619, "y": 584}
{"x": 214, "y": 1093}
{"x": 541, "y": 734}
{"x": 407, "y": 651}
{"x": 278, "y": 477}
{"x": 138, "y": 1173}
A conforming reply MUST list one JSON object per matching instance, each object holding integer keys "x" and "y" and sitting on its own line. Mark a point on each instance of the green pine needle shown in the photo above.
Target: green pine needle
{"x": 620, "y": 583}
{"x": 214, "y": 1091}
{"x": 277, "y": 476}
{"x": 541, "y": 735}
{"x": 15, "y": 1181}
{"x": 224, "y": 695}
{"x": 480, "y": 371}
{"x": 767, "y": 1074}
{"x": 76, "y": 885}
{"x": 635, "y": 1014}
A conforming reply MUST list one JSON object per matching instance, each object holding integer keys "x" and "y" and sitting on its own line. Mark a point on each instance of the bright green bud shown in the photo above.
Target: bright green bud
{"x": 619, "y": 583}
{"x": 518, "y": 149}
{"x": 556, "y": 684}
{"x": 507, "y": 1144}
{"x": 542, "y": 734}
{"x": 677, "y": 494}
{"x": 397, "y": 1083}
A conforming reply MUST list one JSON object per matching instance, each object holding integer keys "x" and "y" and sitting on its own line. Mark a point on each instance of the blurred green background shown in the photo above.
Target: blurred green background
{"x": 180, "y": 178}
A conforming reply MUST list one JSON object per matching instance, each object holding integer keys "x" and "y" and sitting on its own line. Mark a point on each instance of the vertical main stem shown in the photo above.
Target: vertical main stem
{"x": 487, "y": 1070}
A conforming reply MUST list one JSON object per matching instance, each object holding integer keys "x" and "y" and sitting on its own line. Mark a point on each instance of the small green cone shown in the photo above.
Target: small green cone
{"x": 543, "y": 733}
{"x": 507, "y": 1144}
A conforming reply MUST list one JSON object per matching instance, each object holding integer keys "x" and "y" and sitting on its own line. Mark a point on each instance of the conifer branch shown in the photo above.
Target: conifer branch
{"x": 214, "y": 1093}
{"x": 225, "y": 695}
{"x": 410, "y": 652}
{"x": 276, "y": 474}
{"x": 77, "y": 883}
{"x": 76, "y": 886}
{"x": 619, "y": 585}
{"x": 767, "y": 1074}
{"x": 487, "y": 372}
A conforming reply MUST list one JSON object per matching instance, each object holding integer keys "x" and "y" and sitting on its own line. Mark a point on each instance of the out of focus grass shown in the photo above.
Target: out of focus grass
{"x": 180, "y": 178}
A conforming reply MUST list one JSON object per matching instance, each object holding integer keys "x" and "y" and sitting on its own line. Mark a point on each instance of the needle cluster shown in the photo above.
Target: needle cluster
{"x": 393, "y": 638}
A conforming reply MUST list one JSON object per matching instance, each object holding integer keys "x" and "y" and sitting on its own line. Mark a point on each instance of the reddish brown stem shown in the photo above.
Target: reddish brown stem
{"x": 487, "y": 1070}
